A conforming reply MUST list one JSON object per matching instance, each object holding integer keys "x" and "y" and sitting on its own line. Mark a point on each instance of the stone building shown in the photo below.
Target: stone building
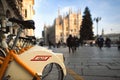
{"x": 113, "y": 36}
{"x": 14, "y": 8}
{"x": 27, "y": 13}
{"x": 8, "y": 9}
{"x": 63, "y": 26}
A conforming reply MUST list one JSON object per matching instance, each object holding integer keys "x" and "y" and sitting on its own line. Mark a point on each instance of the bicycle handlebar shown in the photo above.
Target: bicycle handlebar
{"x": 28, "y": 24}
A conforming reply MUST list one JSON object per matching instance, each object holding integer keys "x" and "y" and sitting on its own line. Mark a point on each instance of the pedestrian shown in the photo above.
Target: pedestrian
{"x": 76, "y": 43}
{"x": 58, "y": 44}
{"x": 49, "y": 44}
{"x": 81, "y": 42}
{"x": 100, "y": 41}
{"x": 41, "y": 43}
{"x": 108, "y": 42}
{"x": 118, "y": 43}
{"x": 70, "y": 43}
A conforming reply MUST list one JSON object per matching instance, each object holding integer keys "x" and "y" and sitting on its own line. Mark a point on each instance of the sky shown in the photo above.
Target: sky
{"x": 47, "y": 10}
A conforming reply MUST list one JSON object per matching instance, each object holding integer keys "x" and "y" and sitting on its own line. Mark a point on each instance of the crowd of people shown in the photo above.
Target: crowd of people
{"x": 100, "y": 42}
{"x": 72, "y": 43}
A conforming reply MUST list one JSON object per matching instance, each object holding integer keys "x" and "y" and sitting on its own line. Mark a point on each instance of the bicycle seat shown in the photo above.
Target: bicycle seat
{"x": 28, "y": 24}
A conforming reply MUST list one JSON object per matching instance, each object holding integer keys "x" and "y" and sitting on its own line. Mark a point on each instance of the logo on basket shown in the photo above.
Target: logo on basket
{"x": 41, "y": 58}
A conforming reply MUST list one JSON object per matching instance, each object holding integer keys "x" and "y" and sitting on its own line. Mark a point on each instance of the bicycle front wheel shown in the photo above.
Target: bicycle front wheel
{"x": 52, "y": 72}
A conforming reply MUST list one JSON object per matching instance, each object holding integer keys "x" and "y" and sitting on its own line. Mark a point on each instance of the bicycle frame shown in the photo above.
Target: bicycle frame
{"x": 33, "y": 64}
{"x": 11, "y": 54}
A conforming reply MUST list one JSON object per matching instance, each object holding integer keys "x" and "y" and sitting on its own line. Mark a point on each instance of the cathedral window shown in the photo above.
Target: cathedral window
{"x": 25, "y": 12}
{"x": 75, "y": 21}
{"x": 61, "y": 34}
{"x": 66, "y": 28}
{"x": 75, "y": 30}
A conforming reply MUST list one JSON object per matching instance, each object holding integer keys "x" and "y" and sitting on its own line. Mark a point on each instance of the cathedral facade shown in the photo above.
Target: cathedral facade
{"x": 63, "y": 26}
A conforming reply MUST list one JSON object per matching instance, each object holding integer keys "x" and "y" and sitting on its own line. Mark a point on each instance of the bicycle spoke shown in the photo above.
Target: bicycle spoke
{"x": 52, "y": 74}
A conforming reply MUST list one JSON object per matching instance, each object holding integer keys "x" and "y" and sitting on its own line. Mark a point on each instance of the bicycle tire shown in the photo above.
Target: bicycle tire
{"x": 2, "y": 53}
{"x": 52, "y": 72}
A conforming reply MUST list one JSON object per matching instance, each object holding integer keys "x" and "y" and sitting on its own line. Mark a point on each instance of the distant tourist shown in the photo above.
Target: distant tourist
{"x": 118, "y": 43}
{"x": 70, "y": 43}
{"x": 100, "y": 42}
{"x": 49, "y": 44}
{"x": 108, "y": 42}
{"x": 76, "y": 43}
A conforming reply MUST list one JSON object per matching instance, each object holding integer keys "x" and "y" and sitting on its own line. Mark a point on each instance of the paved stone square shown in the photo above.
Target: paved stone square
{"x": 91, "y": 63}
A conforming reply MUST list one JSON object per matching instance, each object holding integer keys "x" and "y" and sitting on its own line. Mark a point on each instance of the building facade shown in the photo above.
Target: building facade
{"x": 113, "y": 36}
{"x": 27, "y": 13}
{"x": 63, "y": 26}
{"x": 8, "y": 9}
{"x": 13, "y": 8}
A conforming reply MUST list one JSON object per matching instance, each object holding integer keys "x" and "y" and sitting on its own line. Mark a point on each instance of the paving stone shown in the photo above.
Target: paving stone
{"x": 118, "y": 63}
{"x": 118, "y": 75}
{"x": 93, "y": 63}
{"x": 114, "y": 67}
{"x": 102, "y": 60}
{"x": 98, "y": 67}
{"x": 102, "y": 73}
{"x": 69, "y": 77}
{"x": 103, "y": 63}
{"x": 116, "y": 59}
{"x": 73, "y": 60}
{"x": 75, "y": 65}
{"x": 78, "y": 71}
{"x": 90, "y": 64}
{"x": 80, "y": 67}
{"x": 99, "y": 78}
{"x": 113, "y": 64}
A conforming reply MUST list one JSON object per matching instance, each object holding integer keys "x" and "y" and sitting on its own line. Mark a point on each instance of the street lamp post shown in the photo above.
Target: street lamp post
{"x": 97, "y": 19}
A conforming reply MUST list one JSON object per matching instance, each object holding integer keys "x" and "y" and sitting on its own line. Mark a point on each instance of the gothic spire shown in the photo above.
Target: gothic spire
{"x": 58, "y": 11}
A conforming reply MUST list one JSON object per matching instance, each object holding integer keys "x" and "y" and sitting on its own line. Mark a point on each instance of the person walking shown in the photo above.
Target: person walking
{"x": 49, "y": 44}
{"x": 118, "y": 43}
{"x": 108, "y": 42}
{"x": 100, "y": 42}
{"x": 76, "y": 43}
{"x": 70, "y": 43}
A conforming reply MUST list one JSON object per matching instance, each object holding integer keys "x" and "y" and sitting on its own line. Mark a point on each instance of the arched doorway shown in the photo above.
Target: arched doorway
{"x": 8, "y": 14}
{"x": 9, "y": 24}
